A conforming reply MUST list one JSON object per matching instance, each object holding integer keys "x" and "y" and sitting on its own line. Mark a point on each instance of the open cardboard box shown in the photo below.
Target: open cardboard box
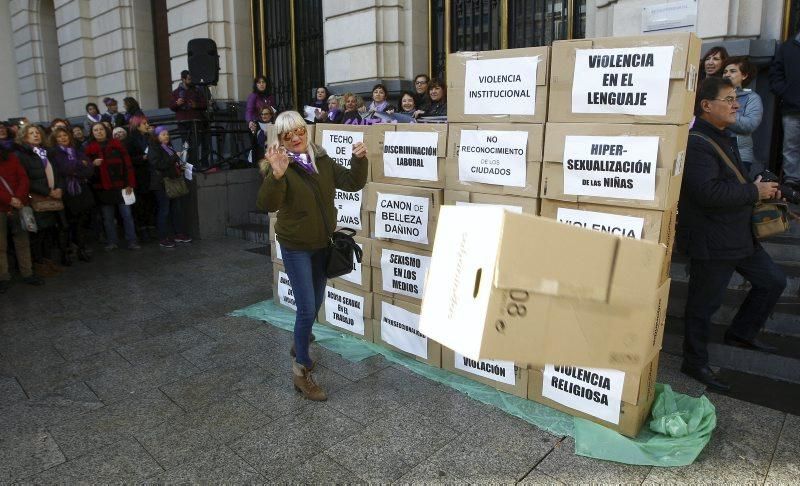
{"x": 531, "y": 290}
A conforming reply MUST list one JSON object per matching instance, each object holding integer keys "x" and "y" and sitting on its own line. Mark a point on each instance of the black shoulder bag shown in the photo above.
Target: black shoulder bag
{"x": 342, "y": 248}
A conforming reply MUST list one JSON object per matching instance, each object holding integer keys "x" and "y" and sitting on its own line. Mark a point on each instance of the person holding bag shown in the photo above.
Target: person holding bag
{"x": 76, "y": 170}
{"x": 13, "y": 196}
{"x": 169, "y": 186}
{"x": 300, "y": 181}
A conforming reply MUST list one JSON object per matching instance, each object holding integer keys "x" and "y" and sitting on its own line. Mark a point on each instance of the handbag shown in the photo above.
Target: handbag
{"x": 769, "y": 218}
{"x": 342, "y": 249}
{"x": 44, "y": 204}
{"x": 175, "y": 187}
{"x": 27, "y": 220}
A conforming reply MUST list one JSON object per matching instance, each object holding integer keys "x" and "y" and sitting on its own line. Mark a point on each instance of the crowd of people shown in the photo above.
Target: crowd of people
{"x": 61, "y": 182}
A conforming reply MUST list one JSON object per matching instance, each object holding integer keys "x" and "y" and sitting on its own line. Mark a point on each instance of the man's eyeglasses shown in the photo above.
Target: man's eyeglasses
{"x": 420, "y": 82}
{"x": 299, "y": 131}
{"x": 728, "y": 99}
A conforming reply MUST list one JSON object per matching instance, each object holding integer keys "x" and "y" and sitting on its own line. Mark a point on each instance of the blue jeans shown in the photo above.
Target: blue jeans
{"x": 169, "y": 213}
{"x": 708, "y": 280}
{"x": 306, "y": 271}
{"x": 791, "y": 148}
{"x": 111, "y": 225}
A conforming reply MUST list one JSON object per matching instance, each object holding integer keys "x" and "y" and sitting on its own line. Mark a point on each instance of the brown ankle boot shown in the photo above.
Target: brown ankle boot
{"x": 304, "y": 383}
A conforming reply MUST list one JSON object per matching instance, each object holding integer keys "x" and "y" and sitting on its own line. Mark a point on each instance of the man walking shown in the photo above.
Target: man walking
{"x": 714, "y": 228}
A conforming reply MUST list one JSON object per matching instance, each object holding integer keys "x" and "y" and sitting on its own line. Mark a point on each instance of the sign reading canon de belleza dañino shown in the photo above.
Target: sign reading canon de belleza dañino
{"x": 411, "y": 155}
{"x": 593, "y": 391}
{"x": 613, "y": 167}
{"x": 339, "y": 145}
{"x": 631, "y": 80}
{"x": 493, "y": 157}
{"x": 500, "y": 86}
{"x": 402, "y": 217}
{"x": 345, "y": 310}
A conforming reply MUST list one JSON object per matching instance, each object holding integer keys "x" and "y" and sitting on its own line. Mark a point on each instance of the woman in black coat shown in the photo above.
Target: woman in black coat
{"x": 137, "y": 143}
{"x": 44, "y": 181}
{"x": 166, "y": 163}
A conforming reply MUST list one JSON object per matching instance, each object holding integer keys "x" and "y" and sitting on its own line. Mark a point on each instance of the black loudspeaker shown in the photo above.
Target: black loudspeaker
{"x": 203, "y": 61}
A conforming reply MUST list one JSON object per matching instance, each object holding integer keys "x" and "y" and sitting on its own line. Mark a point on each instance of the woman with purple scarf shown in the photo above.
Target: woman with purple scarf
{"x": 76, "y": 170}
{"x": 257, "y": 100}
{"x": 6, "y": 137}
{"x": 165, "y": 162}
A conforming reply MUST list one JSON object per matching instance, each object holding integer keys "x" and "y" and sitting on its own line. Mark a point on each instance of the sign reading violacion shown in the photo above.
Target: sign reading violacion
{"x": 499, "y": 371}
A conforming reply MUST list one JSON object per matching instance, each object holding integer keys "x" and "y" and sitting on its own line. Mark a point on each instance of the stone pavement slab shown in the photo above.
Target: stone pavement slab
{"x": 785, "y": 467}
{"x": 27, "y": 452}
{"x": 565, "y": 466}
{"x": 218, "y": 466}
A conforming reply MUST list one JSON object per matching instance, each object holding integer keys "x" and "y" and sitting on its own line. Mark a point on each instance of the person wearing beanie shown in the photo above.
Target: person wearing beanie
{"x": 113, "y": 116}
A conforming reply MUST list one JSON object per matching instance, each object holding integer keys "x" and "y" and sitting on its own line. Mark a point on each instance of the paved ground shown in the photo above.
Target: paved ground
{"x": 127, "y": 370}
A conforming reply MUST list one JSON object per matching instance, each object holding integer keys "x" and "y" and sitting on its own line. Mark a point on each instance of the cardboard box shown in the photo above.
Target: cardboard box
{"x": 667, "y": 166}
{"x": 372, "y": 135}
{"x": 282, "y": 288}
{"x": 650, "y": 225}
{"x": 531, "y": 290}
{"x": 567, "y": 389}
{"x": 403, "y": 266}
{"x": 425, "y": 169}
{"x": 502, "y": 173}
{"x": 403, "y": 213}
{"x": 518, "y": 204}
{"x": 514, "y": 77}
{"x": 502, "y": 375}
{"x": 347, "y": 309}
{"x": 361, "y": 276}
{"x": 650, "y": 79}
{"x": 397, "y": 327}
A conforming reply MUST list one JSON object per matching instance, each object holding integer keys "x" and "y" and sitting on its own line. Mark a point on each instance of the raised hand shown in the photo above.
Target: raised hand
{"x": 278, "y": 160}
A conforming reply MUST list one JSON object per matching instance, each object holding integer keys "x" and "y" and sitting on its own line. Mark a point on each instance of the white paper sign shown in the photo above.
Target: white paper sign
{"x": 630, "y": 80}
{"x": 411, "y": 155}
{"x": 509, "y": 207}
{"x": 355, "y": 275}
{"x": 616, "y": 167}
{"x": 493, "y": 157}
{"x": 278, "y": 252}
{"x": 401, "y": 217}
{"x": 339, "y": 146}
{"x": 187, "y": 171}
{"x": 616, "y": 224}
{"x": 593, "y": 391}
{"x": 500, "y": 371}
{"x": 128, "y": 199}
{"x": 310, "y": 113}
{"x": 400, "y": 328}
{"x": 345, "y": 310}
{"x": 500, "y": 86}
{"x": 285, "y": 293}
{"x": 404, "y": 273}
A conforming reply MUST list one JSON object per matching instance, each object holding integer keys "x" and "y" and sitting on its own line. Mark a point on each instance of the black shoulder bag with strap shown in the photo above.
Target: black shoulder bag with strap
{"x": 769, "y": 218}
{"x": 342, "y": 248}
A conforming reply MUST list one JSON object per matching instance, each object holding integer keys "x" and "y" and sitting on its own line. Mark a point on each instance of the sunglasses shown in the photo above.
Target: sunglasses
{"x": 299, "y": 131}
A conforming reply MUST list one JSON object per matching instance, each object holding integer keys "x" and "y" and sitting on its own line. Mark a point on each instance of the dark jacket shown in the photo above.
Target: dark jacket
{"x": 715, "y": 209}
{"x": 300, "y": 225}
{"x": 162, "y": 164}
{"x": 351, "y": 117}
{"x": 135, "y": 144}
{"x": 438, "y": 108}
{"x": 422, "y": 101}
{"x": 38, "y": 182}
{"x": 14, "y": 174}
{"x": 784, "y": 75}
{"x": 76, "y": 176}
{"x": 116, "y": 120}
{"x": 114, "y": 174}
{"x": 192, "y": 95}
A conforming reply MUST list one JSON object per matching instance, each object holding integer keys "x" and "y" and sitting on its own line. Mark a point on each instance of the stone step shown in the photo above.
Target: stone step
{"x": 679, "y": 272}
{"x": 782, "y": 365}
{"x": 257, "y": 233}
{"x": 258, "y": 217}
{"x": 785, "y": 247}
{"x": 784, "y": 320}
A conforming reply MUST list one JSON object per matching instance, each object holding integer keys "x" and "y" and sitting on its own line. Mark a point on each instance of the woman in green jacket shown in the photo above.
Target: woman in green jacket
{"x": 300, "y": 181}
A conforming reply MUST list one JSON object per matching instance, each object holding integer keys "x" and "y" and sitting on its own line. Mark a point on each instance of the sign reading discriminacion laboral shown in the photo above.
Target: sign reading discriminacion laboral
{"x": 404, "y": 273}
{"x": 500, "y": 86}
{"x": 339, "y": 145}
{"x": 285, "y": 293}
{"x": 400, "y": 217}
{"x": 400, "y": 328}
{"x": 615, "y": 224}
{"x": 411, "y": 155}
{"x": 593, "y": 391}
{"x": 493, "y": 157}
{"x": 345, "y": 310}
{"x": 500, "y": 371}
{"x": 614, "y": 167}
{"x": 630, "y": 80}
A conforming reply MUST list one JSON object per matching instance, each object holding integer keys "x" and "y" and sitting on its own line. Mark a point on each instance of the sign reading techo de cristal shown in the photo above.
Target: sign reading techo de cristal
{"x": 339, "y": 145}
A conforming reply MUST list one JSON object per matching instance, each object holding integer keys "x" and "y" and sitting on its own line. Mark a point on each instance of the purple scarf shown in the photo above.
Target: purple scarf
{"x": 42, "y": 153}
{"x": 379, "y": 107}
{"x": 73, "y": 166}
{"x": 303, "y": 161}
{"x": 7, "y": 144}
{"x": 333, "y": 114}
{"x": 168, "y": 149}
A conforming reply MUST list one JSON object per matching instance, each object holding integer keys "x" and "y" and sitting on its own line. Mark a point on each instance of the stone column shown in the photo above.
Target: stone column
{"x": 9, "y": 102}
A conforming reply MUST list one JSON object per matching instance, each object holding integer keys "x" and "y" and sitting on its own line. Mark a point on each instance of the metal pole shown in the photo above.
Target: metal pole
{"x": 504, "y": 24}
{"x": 570, "y": 17}
{"x": 430, "y": 38}
{"x": 294, "y": 55}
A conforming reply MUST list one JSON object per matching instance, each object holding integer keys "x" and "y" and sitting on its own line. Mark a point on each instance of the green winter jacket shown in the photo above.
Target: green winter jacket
{"x": 300, "y": 225}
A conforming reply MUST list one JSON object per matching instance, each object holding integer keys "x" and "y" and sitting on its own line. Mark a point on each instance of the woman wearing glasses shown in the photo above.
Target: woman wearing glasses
{"x": 300, "y": 180}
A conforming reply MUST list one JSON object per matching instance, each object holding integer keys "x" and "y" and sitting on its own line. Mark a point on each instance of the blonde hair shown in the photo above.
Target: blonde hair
{"x": 285, "y": 122}
{"x": 22, "y": 133}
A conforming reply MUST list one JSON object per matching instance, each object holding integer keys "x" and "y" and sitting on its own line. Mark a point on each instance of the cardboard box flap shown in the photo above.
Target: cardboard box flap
{"x": 683, "y": 57}
{"x": 637, "y": 272}
{"x": 543, "y": 256}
